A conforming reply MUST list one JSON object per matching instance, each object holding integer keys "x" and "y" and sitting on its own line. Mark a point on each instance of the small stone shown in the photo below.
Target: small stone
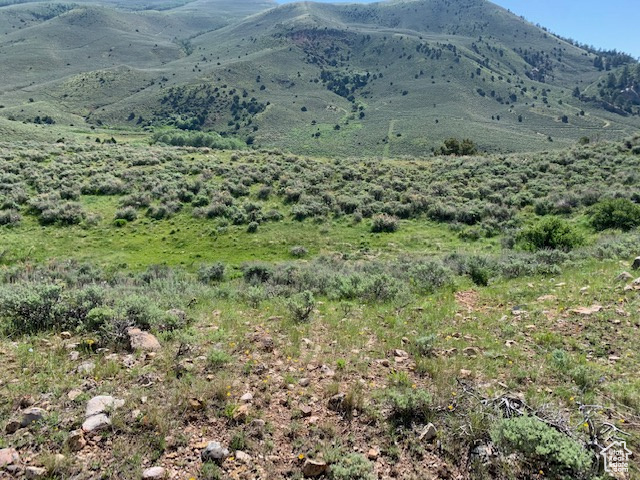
{"x": 336, "y": 402}
{"x": 314, "y": 468}
{"x": 313, "y": 420}
{"x": 65, "y": 335}
{"x": 400, "y": 353}
{"x": 73, "y": 394}
{"x": 247, "y": 397}
{"x": 96, "y": 422}
{"x": 465, "y": 373}
{"x": 385, "y": 363}
{"x": 586, "y": 311}
{"x": 8, "y": 456}
{"x": 326, "y": 371}
{"x": 304, "y": 382}
{"x": 12, "y": 427}
{"x": 140, "y": 340}
{"x": 266, "y": 343}
{"x": 86, "y": 367}
{"x": 76, "y": 441}
{"x": 306, "y": 410}
{"x": 470, "y": 351}
{"x": 624, "y": 276}
{"x": 32, "y": 415}
{"x": 429, "y": 432}
{"x": 636, "y": 264}
{"x": 214, "y": 452}
{"x": 258, "y": 423}
{"x": 101, "y": 404}
{"x": 243, "y": 457}
{"x": 373, "y": 454}
{"x": 154, "y": 473}
{"x": 34, "y": 473}
{"x": 241, "y": 413}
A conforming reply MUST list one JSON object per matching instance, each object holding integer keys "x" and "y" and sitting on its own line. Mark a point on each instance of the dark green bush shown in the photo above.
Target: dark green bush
{"x": 408, "y": 405}
{"x": 615, "y": 213}
{"x": 549, "y": 232}
{"x": 213, "y": 272}
{"x": 384, "y": 224}
{"x": 301, "y": 306}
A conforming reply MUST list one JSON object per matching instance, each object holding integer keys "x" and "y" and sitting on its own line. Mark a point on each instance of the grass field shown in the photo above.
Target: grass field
{"x": 265, "y": 273}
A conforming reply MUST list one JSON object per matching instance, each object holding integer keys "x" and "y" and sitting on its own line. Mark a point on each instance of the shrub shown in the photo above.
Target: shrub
{"x": 217, "y": 358}
{"x": 68, "y": 213}
{"x": 128, "y": 213}
{"x": 213, "y": 272}
{"x": 9, "y": 218}
{"x": 298, "y": 251}
{"x": 28, "y": 308}
{"x": 424, "y": 346}
{"x": 615, "y": 213}
{"x": 549, "y": 232}
{"x": 384, "y": 224}
{"x": 542, "y": 447}
{"x": 256, "y": 272}
{"x": 352, "y": 467}
{"x": 408, "y": 405}
{"x": 301, "y": 306}
{"x": 252, "y": 227}
{"x": 426, "y": 277}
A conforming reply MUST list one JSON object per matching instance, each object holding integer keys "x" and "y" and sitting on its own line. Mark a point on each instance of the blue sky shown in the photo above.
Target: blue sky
{"x": 604, "y": 24}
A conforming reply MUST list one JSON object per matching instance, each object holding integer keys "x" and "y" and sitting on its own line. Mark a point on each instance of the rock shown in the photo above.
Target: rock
{"x": 313, "y": 420}
{"x": 385, "y": 363}
{"x": 400, "y": 353}
{"x": 86, "y": 367}
{"x": 96, "y": 422}
{"x": 34, "y": 473}
{"x": 73, "y": 394}
{"x": 636, "y": 264}
{"x": 465, "y": 373}
{"x": 304, "y": 382}
{"x": 586, "y": 311}
{"x": 429, "y": 432}
{"x": 336, "y": 403}
{"x": 326, "y": 371}
{"x": 306, "y": 410}
{"x": 258, "y": 423}
{"x": 140, "y": 340}
{"x": 12, "y": 427}
{"x": 76, "y": 441}
{"x": 624, "y": 276}
{"x": 241, "y": 413}
{"x": 243, "y": 457}
{"x": 247, "y": 397}
{"x": 314, "y": 468}
{"x": 373, "y": 454}
{"x": 214, "y": 452}
{"x": 32, "y": 415}
{"x": 470, "y": 351}
{"x": 8, "y": 456}
{"x": 65, "y": 335}
{"x": 154, "y": 473}
{"x": 101, "y": 404}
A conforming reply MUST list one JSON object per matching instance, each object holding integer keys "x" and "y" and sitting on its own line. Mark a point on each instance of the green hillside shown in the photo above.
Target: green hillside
{"x": 384, "y": 79}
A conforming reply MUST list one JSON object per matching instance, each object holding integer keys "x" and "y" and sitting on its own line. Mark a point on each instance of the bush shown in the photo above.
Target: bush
{"x": 211, "y": 273}
{"x": 256, "y": 272}
{"x": 301, "y": 306}
{"x": 426, "y": 277}
{"x": 615, "y": 213}
{"x": 128, "y": 213}
{"x": 384, "y": 224}
{"x": 252, "y": 227}
{"x": 352, "y": 467}
{"x": 542, "y": 447}
{"x": 409, "y": 405}
{"x": 29, "y": 309}
{"x": 9, "y": 218}
{"x": 216, "y": 359}
{"x": 550, "y": 232}
{"x": 298, "y": 252}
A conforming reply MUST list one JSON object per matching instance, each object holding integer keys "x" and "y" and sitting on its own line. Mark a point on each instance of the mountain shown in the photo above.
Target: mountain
{"x": 387, "y": 79}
